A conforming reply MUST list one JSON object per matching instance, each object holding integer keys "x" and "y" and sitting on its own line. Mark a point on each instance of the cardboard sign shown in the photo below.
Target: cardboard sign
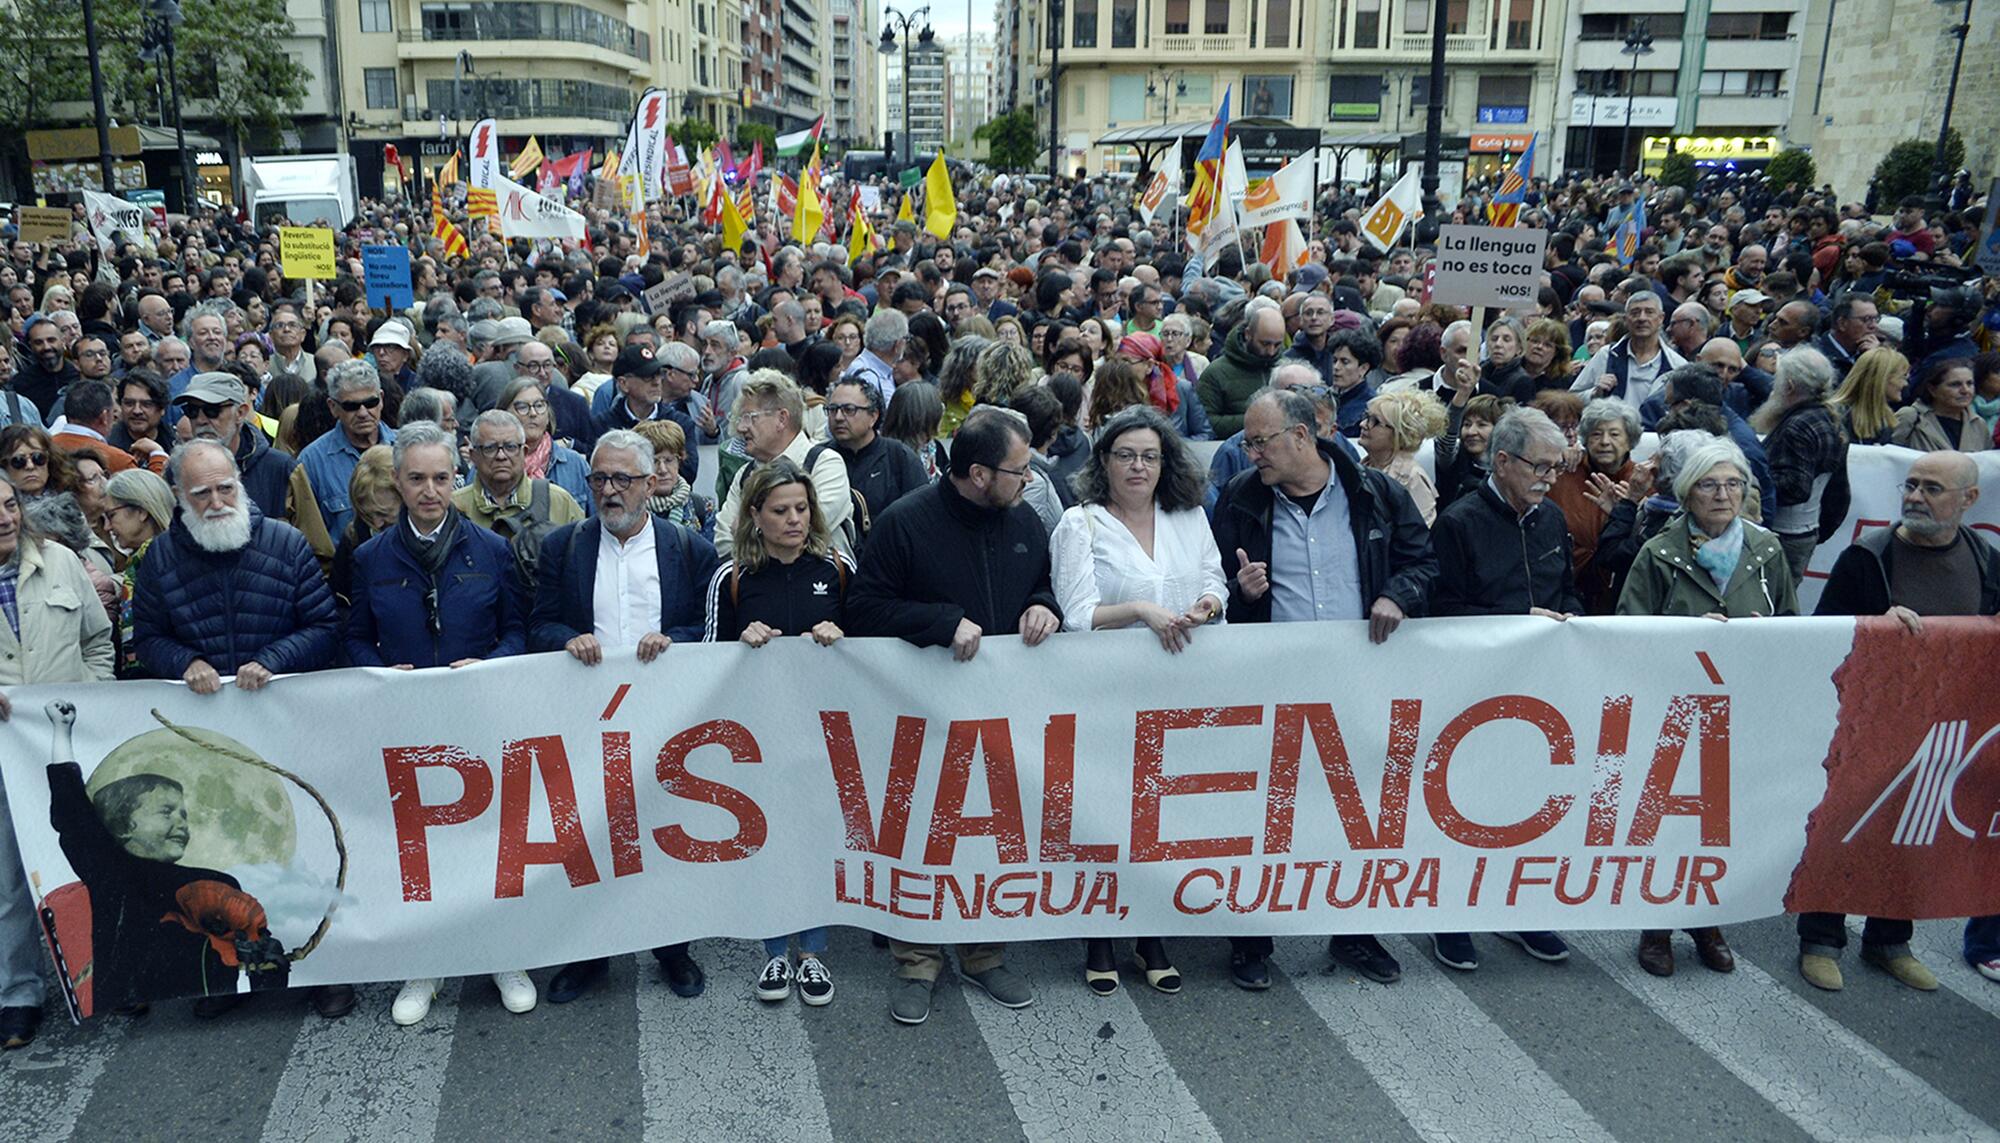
{"x": 306, "y": 252}
{"x": 1488, "y": 266}
{"x": 43, "y": 224}
{"x": 671, "y": 289}
{"x": 387, "y": 271}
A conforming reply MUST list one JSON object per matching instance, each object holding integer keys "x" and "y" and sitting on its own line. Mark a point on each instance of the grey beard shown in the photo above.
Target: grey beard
{"x": 227, "y": 534}
{"x": 1929, "y": 527}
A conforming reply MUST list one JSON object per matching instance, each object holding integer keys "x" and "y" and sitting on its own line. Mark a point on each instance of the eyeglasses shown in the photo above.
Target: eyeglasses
{"x": 538, "y": 366}
{"x": 103, "y": 354}
{"x": 1543, "y": 469}
{"x": 1021, "y": 473}
{"x": 1132, "y": 458}
{"x": 599, "y": 481}
{"x": 498, "y": 448}
{"x": 848, "y": 410}
{"x": 1255, "y": 446}
{"x": 753, "y": 414}
{"x": 1928, "y": 489}
{"x": 363, "y": 403}
{"x": 28, "y": 460}
{"x": 1714, "y": 487}
{"x": 204, "y": 409}
{"x": 529, "y": 408}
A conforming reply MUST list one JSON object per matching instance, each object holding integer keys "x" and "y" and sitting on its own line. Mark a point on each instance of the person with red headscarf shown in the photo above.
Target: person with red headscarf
{"x": 1166, "y": 391}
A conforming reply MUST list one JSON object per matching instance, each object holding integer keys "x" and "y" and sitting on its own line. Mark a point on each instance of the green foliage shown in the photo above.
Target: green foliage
{"x": 1792, "y": 168}
{"x": 693, "y": 134}
{"x": 1677, "y": 170}
{"x": 748, "y": 135}
{"x": 1010, "y": 139}
{"x": 224, "y": 51}
{"x": 1906, "y": 169}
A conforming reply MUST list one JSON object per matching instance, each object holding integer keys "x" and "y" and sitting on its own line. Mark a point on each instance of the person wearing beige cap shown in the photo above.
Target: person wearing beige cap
{"x": 218, "y": 406}
{"x": 1746, "y": 316}
{"x": 390, "y": 347}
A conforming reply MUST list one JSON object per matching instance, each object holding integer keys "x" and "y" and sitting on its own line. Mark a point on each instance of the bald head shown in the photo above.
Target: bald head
{"x": 1940, "y": 488}
{"x": 1295, "y": 375}
{"x": 1724, "y": 356}
{"x": 1264, "y": 332}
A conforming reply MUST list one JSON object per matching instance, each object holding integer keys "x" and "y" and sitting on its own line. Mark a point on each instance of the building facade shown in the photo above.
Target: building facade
{"x": 920, "y": 107}
{"x": 974, "y": 94}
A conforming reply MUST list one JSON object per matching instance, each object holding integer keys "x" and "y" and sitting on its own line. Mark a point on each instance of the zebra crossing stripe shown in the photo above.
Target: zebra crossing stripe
{"x": 363, "y": 1077}
{"x": 1822, "y": 1076}
{"x": 1452, "y": 1072}
{"x": 1081, "y": 1067}
{"x": 45, "y": 1086}
{"x": 726, "y": 1065}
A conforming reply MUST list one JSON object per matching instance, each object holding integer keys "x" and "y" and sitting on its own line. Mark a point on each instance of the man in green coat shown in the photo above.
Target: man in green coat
{"x": 1244, "y": 367}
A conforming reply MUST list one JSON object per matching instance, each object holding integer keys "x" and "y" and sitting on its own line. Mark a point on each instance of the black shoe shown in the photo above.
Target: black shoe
{"x": 1249, "y": 971}
{"x": 332, "y": 1001}
{"x": 573, "y": 980}
{"x": 220, "y": 1004}
{"x": 19, "y": 1025}
{"x": 683, "y": 975}
{"x": 1366, "y": 956}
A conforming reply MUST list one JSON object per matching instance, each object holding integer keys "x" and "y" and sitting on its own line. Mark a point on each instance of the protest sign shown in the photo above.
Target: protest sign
{"x": 43, "y": 224}
{"x": 672, "y": 288}
{"x": 1488, "y": 266}
{"x": 306, "y": 252}
{"x": 1285, "y": 778}
{"x": 387, "y": 270}
{"x": 112, "y": 219}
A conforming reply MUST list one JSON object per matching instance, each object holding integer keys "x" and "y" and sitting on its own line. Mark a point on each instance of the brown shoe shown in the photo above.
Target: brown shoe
{"x": 1713, "y": 950}
{"x": 1656, "y": 952}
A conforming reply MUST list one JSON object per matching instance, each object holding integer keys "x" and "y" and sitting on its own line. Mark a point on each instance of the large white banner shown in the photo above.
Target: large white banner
{"x": 525, "y": 214}
{"x": 1477, "y": 774}
{"x": 1875, "y": 477}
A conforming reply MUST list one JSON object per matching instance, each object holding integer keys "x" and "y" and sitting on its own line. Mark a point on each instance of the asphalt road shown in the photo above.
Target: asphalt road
{"x": 1593, "y": 1049}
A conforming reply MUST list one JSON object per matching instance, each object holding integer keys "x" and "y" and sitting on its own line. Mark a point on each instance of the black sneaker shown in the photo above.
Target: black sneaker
{"x": 1366, "y": 956}
{"x": 815, "y": 982}
{"x": 1249, "y": 971}
{"x": 1455, "y": 950}
{"x": 18, "y": 1026}
{"x": 775, "y": 982}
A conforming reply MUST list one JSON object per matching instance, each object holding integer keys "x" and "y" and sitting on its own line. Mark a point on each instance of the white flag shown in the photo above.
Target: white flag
{"x": 1383, "y": 223}
{"x": 1164, "y": 186}
{"x": 646, "y": 144}
{"x": 525, "y": 214}
{"x": 109, "y": 215}
{"x": 1222, "y": 228}
{"x": 1286, "y": 194}
{"x": 485, "y": 148}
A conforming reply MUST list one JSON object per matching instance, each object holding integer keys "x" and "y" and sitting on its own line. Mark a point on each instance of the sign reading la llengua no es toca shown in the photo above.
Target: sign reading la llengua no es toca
{"x": 1489, "y": 266}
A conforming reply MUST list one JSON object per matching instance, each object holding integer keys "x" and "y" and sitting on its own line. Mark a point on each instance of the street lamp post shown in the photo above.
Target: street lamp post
{"x": 888, "y": 48}
{"x": 1055, "y": 91}
{"x": 168, "y": 14}
{"x": 1940, "y": 175}
{"x": 97, "y": 95}
{"x": 1638, "y": 42}
{"x": 1156, "y": 84}
{"x": 1434, "y": 117}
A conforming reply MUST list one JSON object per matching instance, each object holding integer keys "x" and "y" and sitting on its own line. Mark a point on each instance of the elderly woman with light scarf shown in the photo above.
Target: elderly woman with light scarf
{"x": 1708, "y": 562}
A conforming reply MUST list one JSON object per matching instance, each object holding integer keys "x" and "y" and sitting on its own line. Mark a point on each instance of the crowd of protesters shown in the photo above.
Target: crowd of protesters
{"x": 986, "y": 432}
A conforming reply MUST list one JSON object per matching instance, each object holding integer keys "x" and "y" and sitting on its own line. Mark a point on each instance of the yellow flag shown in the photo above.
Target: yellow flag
{"x": 809, "y": 214}
{"x": 940, "y": 208}
{"x": 860, "y": 235}
{"x": 447, "y": 175}
{"x": 528, "y": 161}
{"x": 903, "y": 212}
{"x": 733, "y": 226}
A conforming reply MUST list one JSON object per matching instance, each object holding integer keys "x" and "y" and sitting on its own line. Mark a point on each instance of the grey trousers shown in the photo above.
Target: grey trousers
{"x": 20, "y": 935}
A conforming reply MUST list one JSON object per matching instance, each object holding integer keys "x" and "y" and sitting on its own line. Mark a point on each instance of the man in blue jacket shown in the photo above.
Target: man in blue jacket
{"x": 652, "y": 595}
{"x": 228, "y": 591}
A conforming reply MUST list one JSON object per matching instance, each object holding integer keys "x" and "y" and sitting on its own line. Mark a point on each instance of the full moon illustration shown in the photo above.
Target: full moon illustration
{"x": 237, "y": 814}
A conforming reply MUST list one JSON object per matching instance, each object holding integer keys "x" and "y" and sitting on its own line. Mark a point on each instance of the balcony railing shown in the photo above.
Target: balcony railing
{"x": 1452, "y": 43}
{"x": 562, "y": 23}
{"x": 1202, "y": 42}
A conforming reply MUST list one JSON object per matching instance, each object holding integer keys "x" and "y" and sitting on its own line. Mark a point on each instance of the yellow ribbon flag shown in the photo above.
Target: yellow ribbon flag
{"x": 860, "y": 235}
{"x": 903, "y": 212}
{"x": 940, "y": 207}
{"x": 733, "y": 226}
{"x": 528, "y": 161}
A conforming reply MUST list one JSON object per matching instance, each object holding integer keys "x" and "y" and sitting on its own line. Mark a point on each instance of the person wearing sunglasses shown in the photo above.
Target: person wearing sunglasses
{"x": 218, "y": 406}
{"x": 1503, "y": 550}
{"x": 319, "y": 483}
{"x": 31, "y": 462}
{"x": 435, "y": 591}
{"x": 622, "y": 583}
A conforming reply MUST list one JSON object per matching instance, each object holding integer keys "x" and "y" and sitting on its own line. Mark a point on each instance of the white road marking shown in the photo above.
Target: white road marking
{"x": 45, "y": 1086}
{"x": 362, "y": 1077}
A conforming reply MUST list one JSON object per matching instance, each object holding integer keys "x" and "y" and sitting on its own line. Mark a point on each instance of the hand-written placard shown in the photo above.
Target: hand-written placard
{"x": 1489, "y": 266}
{"x": 42, "y": 225}
{"x": 306, "y": 252}
{"x": 387, "y": 272}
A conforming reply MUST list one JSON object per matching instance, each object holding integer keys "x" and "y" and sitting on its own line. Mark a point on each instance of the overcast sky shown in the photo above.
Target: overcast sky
{"x": 948, "y": 17}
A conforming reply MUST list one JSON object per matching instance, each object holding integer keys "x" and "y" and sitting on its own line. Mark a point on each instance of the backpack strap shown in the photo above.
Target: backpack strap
{"x": 538, "y": 500}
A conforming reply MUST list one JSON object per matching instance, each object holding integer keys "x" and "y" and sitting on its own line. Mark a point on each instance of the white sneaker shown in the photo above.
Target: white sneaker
{"x": 775, "y": 982}
{"x": 413, "y": 1003}
{"x": 517, "y": 992}
{"x": 815, "y": 982}
{"x": 1990, "y": 969}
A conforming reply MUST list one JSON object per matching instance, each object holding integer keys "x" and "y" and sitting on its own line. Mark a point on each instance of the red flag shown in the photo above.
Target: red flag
{"x": 724, "y": 160}
{"x": 749, "y": 170}
{"x": 680, "y": 180}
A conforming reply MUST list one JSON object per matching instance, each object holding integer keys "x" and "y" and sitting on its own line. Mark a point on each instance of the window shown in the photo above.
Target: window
{"x": 1420, "y": 90}
{"x": 1083, "y": 24}
{"x": 1354, "y": 97}
{"x": 1749, "y": 25}
{"x": 376, "y": 16}
{"x": 1504, "y": 98}
{"x": 1128, "y": 99}
{"x": 1456, "y": 16}
{"x": 1268, "y": 96}
{"x": 1216, "y": 22}
{"x": 1196, "y": 91}
{"x": 1662, "y": 25}
{"x": 380, "y": 85}
{"x": 1124, "y": 23}
{"x": 1367, "y": 23}
{"x": 1757, "y": 84}
{"x": 1416, "y": 16}
{"x": 1177, "y": 17}
{"x": 1520, "y": 25}
{"x": 1278, "y": 23}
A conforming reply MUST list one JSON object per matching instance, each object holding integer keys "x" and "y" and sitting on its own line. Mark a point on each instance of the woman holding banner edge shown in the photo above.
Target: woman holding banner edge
{"x": 1137, "y": 551}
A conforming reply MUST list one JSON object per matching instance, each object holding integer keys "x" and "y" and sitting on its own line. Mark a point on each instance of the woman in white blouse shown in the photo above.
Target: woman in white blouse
{"x": 1136, "y": 551}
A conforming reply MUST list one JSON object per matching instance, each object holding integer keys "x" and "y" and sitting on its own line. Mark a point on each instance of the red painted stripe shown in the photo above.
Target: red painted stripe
{"x": 1707, "y": 664}
{"x": 623, "y": 687}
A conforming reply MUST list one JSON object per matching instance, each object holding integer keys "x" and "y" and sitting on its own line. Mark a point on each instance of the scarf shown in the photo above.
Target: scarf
{"x": 1161, "y": 388}
{"x": 667, "y": 503}
{"x": 537, "y": 459}
{"x": 1718, "y": 555}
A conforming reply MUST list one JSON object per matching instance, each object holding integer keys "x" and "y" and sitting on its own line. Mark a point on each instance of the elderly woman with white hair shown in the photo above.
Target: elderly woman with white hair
{"x": 1807, "y": 450}
{"x": 1711, "y": 562}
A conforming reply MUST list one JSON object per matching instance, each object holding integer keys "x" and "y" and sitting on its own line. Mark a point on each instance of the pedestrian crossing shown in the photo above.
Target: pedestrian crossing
{"x": 1594, "y": 1049}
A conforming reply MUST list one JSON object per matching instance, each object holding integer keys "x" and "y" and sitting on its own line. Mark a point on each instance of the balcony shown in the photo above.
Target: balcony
{"x": 1472, "y": 44}
{"x": 1194, "y": 43}
{"x": 799, "y": 54}
{"x": 561, "y": 23}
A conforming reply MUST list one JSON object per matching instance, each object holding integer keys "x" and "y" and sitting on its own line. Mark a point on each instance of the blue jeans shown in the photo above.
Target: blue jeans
{"x": 812, "y": 942}
{"x": 1982, "y": 939}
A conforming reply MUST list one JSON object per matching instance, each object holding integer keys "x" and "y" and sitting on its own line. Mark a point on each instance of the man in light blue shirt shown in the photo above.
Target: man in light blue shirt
{"x": 355, "y": 391}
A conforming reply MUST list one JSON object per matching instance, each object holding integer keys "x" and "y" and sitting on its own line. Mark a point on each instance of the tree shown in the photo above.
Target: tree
{"x": 693, "y": 134}
{"x": 1906, "y": 169}
{"x": 1792, "y": 168}
{"x": 748, "y": 135}
{"x": 1677, "y": 170}
{"x": 1010, "y": 139}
